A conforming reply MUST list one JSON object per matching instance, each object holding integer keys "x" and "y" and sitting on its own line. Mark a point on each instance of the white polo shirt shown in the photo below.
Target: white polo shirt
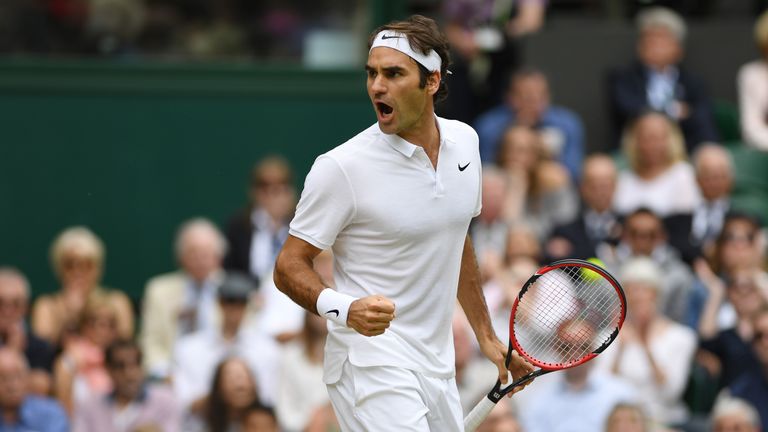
{"x": 397, "y": 228}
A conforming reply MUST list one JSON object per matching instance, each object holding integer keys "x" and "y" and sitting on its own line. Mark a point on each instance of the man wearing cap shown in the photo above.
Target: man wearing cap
{"x": 196, "y": 355}
{"x": 394, "y": 203}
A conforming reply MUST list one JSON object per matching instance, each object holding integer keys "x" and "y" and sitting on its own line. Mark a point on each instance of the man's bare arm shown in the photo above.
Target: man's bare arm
{"x": 295, "y": 276}
{"x": 471, "y": 298}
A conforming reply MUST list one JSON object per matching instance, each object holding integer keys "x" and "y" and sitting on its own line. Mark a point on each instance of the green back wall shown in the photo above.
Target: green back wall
{"x": 132, "y": 151}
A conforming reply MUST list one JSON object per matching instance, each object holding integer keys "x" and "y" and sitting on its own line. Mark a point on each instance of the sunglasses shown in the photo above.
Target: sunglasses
{"x": 738, "y": 237}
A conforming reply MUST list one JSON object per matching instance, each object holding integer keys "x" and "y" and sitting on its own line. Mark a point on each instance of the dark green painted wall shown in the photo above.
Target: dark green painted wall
{"x": 132, "y": 151}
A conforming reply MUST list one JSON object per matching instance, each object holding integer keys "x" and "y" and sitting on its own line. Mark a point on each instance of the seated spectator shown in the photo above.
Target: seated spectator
{"x": 133, "y": 404}
{"x": 740, "y": 245}
{"x": 735, "y": 415}
{"x": 644, "y": 235}
{"x": 20, "y": 410}
{"x": 752, "y": 386}
{"x": 626, "y": 417}
{"x": 658, "y": 177}
{"x": 539, "y": 190}
{"x": 257, "y": 233}
{"x": 695, "y": 233}
{"x": 77, "y": 256}
{"x": 528, "y": 104}
{"x": 231, "y": 394}
{"x": 484, "y": 41}
{"x": 80, "y": 372}
{"x": 657, "y": 80}
{"x": 522, "y": 243}
{"x": 652, "y": 352}
{"x": 576, "y": 399}
{"x": 301, "y": 391}
{"x": 596, "y": 222}
{"x": 753, "y": 91}
{"x": 196, "y": 355}
{"x": 489, "y": 229}
{"x": 261, "y": 418}
{"x": 14, "y": 333}
{"x": 730, "y": 342}
{"x": 184, "y": 301}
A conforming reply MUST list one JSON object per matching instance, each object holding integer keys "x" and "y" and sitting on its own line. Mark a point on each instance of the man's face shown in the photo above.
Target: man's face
{"x": 13, "y": 379}
{"x": 200, "y": 255}
{"x": 13, "y": 302}
{"x": 126, "y": 372}
{"x": 643, "y": 232}
{"x": 529, "y": 98}
{"x": 393, "y": 87}
{"x": 658, "y": 48}
{"x": 714, "y": 175}
{"x": 598, "y": 184}
{"x": 274, "y": 192}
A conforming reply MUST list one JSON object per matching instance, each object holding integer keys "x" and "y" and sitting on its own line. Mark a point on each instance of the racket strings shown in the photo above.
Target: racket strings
{"x": 566, "y": 315}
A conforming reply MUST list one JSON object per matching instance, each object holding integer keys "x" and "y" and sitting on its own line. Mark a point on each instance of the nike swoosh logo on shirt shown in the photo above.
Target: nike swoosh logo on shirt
{"x": 333, "y": 311}
{"x": 462, "y": 168}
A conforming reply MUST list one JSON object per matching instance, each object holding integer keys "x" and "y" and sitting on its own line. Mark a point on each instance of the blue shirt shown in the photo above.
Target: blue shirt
{"x": 752, "y": 386}
{"x": 491, "y": 125}
{"x": 38, "y": 415}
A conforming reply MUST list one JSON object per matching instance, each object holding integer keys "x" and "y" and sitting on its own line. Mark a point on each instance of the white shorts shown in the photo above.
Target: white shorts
{"x": 385, "y": 398}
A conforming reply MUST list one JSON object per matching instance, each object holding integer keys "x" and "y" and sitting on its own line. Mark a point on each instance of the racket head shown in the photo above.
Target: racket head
{"x": 566, "y": 314}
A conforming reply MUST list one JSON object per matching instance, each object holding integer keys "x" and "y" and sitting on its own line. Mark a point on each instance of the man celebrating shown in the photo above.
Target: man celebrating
{"x": 394, "y": 203}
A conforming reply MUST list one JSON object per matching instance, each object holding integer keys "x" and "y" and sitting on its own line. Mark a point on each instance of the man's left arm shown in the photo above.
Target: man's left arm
{"x": 471, "y": 298}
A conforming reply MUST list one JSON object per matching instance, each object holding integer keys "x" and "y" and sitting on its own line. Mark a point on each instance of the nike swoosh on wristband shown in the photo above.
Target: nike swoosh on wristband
{"x": 335, "y": 311}
{"x": 462, "y": 168}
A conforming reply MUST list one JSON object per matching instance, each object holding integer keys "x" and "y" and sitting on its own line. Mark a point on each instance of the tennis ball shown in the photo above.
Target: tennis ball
{"x": 592, "y": 275}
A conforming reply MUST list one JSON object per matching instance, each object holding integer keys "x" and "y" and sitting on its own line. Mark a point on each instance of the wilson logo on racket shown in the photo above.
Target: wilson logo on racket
{"x": 565, "y": 315}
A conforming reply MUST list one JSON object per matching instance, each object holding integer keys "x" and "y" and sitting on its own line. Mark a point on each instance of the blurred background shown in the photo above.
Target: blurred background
{"x": 154, "y": 123}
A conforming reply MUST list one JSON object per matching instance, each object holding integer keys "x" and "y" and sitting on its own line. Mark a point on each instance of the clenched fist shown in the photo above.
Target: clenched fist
{"x": 371, "y": 315}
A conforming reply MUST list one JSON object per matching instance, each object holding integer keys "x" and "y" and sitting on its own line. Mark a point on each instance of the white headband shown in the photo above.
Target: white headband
{"x": 399, "y": 41}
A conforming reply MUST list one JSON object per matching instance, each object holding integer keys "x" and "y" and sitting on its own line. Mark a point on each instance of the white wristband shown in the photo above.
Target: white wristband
{"x": 334, "y": 305}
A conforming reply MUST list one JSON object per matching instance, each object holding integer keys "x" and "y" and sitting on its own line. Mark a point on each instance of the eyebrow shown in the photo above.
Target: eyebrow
{"x": 389, "y": 69}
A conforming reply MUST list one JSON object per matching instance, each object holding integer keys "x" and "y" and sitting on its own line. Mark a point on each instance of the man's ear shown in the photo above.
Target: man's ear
{"x": 433, "y": 82}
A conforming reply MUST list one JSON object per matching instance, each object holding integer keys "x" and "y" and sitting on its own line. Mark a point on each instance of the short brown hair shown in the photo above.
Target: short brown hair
{"x": 424, "y": 35}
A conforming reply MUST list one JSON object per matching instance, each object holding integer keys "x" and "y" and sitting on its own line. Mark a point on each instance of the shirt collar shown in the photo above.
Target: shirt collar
{"x": 406, "y": 148}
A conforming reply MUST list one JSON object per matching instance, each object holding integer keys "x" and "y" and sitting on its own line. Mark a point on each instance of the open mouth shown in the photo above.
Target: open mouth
{"x": 384, "y": 109}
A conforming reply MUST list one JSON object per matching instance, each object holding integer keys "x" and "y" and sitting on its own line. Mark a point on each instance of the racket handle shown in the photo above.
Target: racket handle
{"x": 478, "y": 414}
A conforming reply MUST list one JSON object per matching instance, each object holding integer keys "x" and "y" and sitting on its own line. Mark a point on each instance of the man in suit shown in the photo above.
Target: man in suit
{"x": 694, "y": 233}
{"x": 257, "y": 233}
{"x": 183, "y": 301}
{"x": 657, "y": 81}
{"x": 596, "y": 223}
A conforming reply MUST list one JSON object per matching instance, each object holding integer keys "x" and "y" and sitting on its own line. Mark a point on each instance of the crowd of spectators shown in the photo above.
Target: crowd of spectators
{"x": 216, "y": 347}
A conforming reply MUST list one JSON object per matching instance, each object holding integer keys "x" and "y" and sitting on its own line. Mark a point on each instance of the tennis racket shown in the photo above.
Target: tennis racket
{"x": 565, "y": 315}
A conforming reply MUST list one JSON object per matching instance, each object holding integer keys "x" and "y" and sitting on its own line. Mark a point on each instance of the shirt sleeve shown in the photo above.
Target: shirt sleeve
{"x": 326, "y": 206}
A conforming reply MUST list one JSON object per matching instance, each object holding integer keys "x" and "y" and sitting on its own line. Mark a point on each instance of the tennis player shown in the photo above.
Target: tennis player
{"x": 394, "y": 203}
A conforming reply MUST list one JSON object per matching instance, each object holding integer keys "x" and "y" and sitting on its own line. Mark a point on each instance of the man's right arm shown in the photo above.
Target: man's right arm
{"x": 295, "y": 276}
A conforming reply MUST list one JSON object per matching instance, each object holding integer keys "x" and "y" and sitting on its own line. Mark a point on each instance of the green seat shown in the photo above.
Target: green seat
{"x": 750, "y": 191}
{"x": 727, "y": 121}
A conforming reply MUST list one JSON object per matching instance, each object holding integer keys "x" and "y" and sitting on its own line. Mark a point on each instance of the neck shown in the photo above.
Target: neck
{"x": 424, "y": 133}
{"x": 228, "y": 332}
{"x": 10, "y": 415}
{"x": 651, "y": 171}
{"x": 122, "y": 400}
